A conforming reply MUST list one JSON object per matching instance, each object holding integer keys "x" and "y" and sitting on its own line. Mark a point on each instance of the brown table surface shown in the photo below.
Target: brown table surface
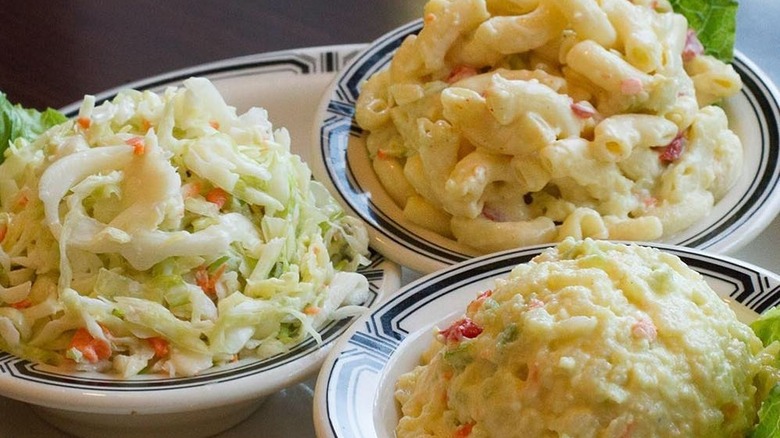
{"x": 55, "y": 52}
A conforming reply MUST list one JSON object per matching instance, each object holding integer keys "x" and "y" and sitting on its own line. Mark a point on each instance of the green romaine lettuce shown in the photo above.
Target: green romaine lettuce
{"x": 715, "y": 23}
{"x": 767, "y": 326}
{"x": 769, "y": 416}
{"x": 19, "y": 122}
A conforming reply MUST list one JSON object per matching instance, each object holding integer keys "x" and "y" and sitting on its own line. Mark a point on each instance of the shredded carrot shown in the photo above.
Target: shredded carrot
{"x": 91, "y": 348}
{"x": 145, "y": 125}
{"x": 84, "y": 122}
{"x": 311, "y": 310}
{"x": 203, "y": 280}
{"x": 138, "y": 145}
{"x": 209, "y": 282}
{"x": 218, "y": 197}
{"x": 23, "y": 304}
{"x": 214, "y": 124}
{"x": 190, "y": 189}
{"x": 3, "y": 232}
{"x": 160, "y": 345}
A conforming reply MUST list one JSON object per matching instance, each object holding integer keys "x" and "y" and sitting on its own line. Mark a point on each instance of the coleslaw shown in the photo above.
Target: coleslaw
{"x": 165, "y": 233}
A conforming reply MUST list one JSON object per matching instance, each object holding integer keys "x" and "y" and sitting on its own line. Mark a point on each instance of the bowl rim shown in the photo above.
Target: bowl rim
{"x": 247, "y": 379}
{"x": 244, "y": 380}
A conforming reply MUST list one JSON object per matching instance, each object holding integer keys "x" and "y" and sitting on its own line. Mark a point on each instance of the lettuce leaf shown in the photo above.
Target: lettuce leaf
{"x": 715, "y": 23}
{"x": 769, "y": 416}
{"x": 19, "y": 122}
{"x": 767, "y": 326}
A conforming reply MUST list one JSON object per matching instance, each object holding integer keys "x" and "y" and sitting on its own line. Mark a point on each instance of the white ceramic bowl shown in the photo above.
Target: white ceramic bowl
{"x": 354, "y": 391}
{"x": 98, "y": 405}
{"x": 340, "y": 157}
{"x": 94, "y": 405}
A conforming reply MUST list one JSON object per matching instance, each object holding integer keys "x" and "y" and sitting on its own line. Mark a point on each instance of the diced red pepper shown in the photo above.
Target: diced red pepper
{"x": 477, "y": 302}
{"x": 693, "y": 47}
{"x": 673, "y": 150}
{"x": 23, "y": 304}
{"x": 461, "y": 72}
{"x": 631, "y": 86}
{"x": 22, "y": 200}
{"x": 464, "y": 430}
{"x": 462, "y": 328}
{"x": 492, "y": 214}
{"x": 583, "y": 110}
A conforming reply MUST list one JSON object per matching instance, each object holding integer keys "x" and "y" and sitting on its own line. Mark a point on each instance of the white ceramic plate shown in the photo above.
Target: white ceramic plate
{"x": 354, "y": 391}
{"x": 219, "y": 398}
{"x": 341, "y": 158}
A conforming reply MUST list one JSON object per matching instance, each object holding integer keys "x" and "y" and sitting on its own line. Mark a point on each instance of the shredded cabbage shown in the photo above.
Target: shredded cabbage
{"x": 172, "y": 230}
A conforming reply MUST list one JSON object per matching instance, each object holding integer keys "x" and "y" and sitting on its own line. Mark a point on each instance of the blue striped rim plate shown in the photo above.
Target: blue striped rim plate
{"x": 354, "y": 390}
{"x": 263, "y": 80}
{"x": 340, "y": 157}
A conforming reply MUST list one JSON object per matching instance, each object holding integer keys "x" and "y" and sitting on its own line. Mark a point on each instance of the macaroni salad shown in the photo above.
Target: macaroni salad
{"x": 506, "y": 123}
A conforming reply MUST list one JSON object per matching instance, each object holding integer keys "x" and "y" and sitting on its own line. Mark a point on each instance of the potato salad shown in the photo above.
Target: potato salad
{"x": 592, "y": 339}
{"x": 165, "y": 233}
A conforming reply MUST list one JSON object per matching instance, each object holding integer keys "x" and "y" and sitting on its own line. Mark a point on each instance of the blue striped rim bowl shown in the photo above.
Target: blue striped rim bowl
{"x": 339, "y": 157}
{"x": 354, "y": 393}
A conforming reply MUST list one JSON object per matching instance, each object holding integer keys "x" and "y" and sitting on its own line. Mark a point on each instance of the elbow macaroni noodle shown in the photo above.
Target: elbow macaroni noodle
{"x": 506, "y": 123}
